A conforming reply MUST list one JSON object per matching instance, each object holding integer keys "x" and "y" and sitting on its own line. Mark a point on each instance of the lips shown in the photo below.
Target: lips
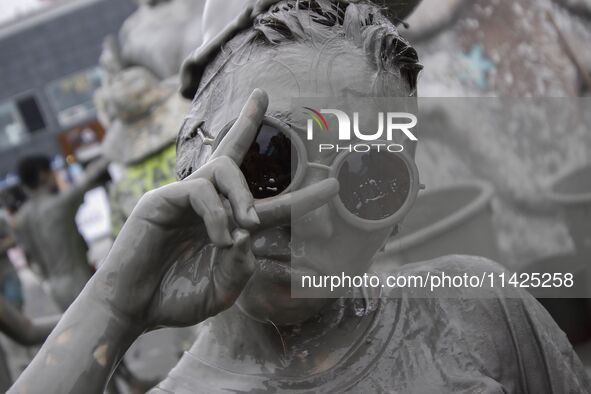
{"x": 274, "y": 264}
{"x": 283, "y": 271}
{"x": 278, "y": 258}
{"x": 274, "y": 269}
{"x": 272, "y": 246}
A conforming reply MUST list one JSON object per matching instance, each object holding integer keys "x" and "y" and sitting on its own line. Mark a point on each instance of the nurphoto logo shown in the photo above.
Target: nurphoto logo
{"x": 389, "y": 123}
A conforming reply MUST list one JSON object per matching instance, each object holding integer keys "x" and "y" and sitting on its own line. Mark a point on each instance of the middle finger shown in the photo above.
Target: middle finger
{"x": 230, "y": 181}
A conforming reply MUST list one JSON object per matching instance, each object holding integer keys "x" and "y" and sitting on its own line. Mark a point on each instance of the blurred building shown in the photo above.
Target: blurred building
{"x": 48, "y": 75}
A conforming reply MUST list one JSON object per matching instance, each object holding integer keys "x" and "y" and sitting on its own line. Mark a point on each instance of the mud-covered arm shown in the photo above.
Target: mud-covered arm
{"x": 95, "y": 174}
{"x": 153, "y": 275}
{"x": 22, "y": 329}
{"x": 81, "y": 352}
{"x": 118, "y": 216}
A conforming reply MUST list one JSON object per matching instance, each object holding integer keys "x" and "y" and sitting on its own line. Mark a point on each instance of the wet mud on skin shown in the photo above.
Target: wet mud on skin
{"x": 406, "y": 344}
{"x": 417, "y": 346}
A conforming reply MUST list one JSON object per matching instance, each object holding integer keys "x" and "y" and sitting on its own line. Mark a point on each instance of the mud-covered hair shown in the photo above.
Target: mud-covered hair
{"x": 329, "y": 25}
{"x": 326, "y": 22}
{"x": 30, "y": 169}
{"x": 319, "y": 21}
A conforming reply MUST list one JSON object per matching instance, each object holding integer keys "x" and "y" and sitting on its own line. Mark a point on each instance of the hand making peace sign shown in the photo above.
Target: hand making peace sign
{"x": 184, "y": 254}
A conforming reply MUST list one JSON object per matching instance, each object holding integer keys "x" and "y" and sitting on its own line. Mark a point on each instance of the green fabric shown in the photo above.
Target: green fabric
{"x": 156, "y": 171}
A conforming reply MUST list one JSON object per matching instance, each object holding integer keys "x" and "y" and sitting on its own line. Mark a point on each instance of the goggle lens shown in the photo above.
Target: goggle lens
{"x": 268, "y": 164}
{"x": 373, "y": 185}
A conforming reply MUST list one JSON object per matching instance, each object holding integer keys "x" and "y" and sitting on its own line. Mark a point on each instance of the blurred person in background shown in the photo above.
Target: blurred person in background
{"x": 143, "y": 116}
{"x": 47, "y": 229}
{"x": 160, "y": 34}
{"x": 10, "y": 285}
{"x": 138, "y": 103}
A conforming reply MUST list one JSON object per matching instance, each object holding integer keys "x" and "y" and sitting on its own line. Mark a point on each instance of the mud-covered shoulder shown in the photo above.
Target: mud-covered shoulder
{"x": 453, "y": 264}
{"x": 503, "y": 331}
{"x": 450, "y": 276}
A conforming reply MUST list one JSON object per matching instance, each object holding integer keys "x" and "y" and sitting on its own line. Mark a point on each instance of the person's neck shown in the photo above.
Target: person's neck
{"x": 235, "y": 342}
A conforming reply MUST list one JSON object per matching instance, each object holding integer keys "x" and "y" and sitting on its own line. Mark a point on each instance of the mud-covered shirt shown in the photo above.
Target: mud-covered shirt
{"x": 46, "y": 228}
{"x": 155, "y": 171}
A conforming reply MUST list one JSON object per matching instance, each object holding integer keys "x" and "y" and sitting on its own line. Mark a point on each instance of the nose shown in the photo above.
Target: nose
{"x": 317, "y": 224}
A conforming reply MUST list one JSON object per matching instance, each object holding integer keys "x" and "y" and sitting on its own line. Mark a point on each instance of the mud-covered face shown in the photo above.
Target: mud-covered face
{"x": 322, "y": 242}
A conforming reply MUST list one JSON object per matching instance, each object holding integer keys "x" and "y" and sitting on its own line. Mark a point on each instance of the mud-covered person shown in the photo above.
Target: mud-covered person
{"x": 11, "y": 287}
{"x": 230, "y": 274}
{"x": 46, "y": 226}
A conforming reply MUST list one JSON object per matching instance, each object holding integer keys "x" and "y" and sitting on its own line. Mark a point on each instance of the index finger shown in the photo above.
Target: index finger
{"x": 286, "y": 208}
{"x": 241, "y": 135}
